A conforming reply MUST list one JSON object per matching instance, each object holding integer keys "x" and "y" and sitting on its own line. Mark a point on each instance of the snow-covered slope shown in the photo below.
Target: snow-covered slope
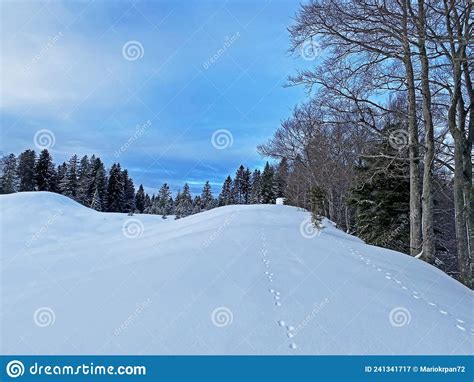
{"x": 233, "y": 280}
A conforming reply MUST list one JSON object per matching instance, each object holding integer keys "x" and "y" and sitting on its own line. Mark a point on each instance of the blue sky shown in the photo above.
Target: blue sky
{"x": 200, "y": 67}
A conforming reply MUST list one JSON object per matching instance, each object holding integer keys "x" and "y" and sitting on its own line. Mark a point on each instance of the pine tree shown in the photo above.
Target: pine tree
{"x": 9, "y": 179}
{"x": 98, "y": 181}
{"x": 128, "y": 193}
{"x": 381, "y": 197}
{"x": 197, "y": 205}
{"x": 256, "y": 188}
{"x": 268, "y": 196}
{"x": 95, "y": 203}
{"x": 26, "y": 171}
{"x": 241, "y": 186}
{"x": 280, "y": 179}
{"x": 165, "y": 201}
{"x": 140, "y": 199}
{"x": 45, "y": 173}
{"x": 226, "y": 197}
{"x": 207, "y": 200}
{"x": 147, "y": 203}
{"x": 184, "y": 206}
{"x": 68, "y": 185}
{"x": 115, "y": 189}
{"x": 84, "y": 181}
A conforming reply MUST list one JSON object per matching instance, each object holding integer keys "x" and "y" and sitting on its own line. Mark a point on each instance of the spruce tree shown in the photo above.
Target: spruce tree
{"x": 140, "y": 199}
{"x": 197, "y": 205}
{"x": 45, "y": 173}
{"x": 280, "y": 179}
{"x": 381, "y": 197}
{"x": 9, "y": 178}
{"x": 225, "y": 197}
{"x": 267, "y": 193}
{"x": 128, "y": 193}
{"x": 95, "y": 202}
{"x": 115, "y": 189}
{"x": 184, "y": 206}
{"x": 68, "y": 185}
{"x": 98, "y": 181}
{"x": 256, "y": 188}
{"x": 165, "y": 201}
{"x": 26, "y": 171}
{"x": 84, "y": 181}
{"x": 206, "y": 199}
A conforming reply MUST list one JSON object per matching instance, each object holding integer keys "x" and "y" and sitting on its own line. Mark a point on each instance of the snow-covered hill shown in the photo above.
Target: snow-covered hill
{"x": 233, "y": 280}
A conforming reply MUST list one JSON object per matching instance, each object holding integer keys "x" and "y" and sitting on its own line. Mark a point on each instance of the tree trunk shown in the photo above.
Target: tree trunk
{"x": 427, "y": 217}
{"x": 415, "y": 200}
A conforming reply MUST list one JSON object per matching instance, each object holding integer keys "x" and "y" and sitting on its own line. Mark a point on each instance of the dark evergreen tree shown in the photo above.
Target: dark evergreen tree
{"x": 184, "y": 205}
{"x": 115, "y": 189}
{"x": 280, "y": 179}
{"x": 45, "y": 173}
{"x": 68, "y": 185}
{"x": 26, "y": 171}
{"x": 98, "y": 182}
{"x": 128, "y": 193}
{"x": 226, "y": 197}
{"x": 267, "y": 194}
{"x": 381, "y": 197}
{"x": 256, "y": 188}
{"x": 95, "y": 202}
{"x": 84, "y": 174}
{"x": 140, "y": 199}
{"x": 206, "y": 199}
{"x": 165, "y": 201}
{"x": 9, "y": 178}
{"x": 197, "y": 205}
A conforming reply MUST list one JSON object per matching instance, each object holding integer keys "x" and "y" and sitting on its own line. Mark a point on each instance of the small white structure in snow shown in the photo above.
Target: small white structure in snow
{"x": 280, "y": 201}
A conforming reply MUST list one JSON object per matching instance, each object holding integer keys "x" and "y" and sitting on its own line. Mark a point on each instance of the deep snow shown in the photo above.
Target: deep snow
{"x": 234, "y": 280}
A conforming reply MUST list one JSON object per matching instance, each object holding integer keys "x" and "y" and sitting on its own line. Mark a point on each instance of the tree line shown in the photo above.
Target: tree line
{"x": 383, "y": 144}
{"x": 87, "y": 181}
